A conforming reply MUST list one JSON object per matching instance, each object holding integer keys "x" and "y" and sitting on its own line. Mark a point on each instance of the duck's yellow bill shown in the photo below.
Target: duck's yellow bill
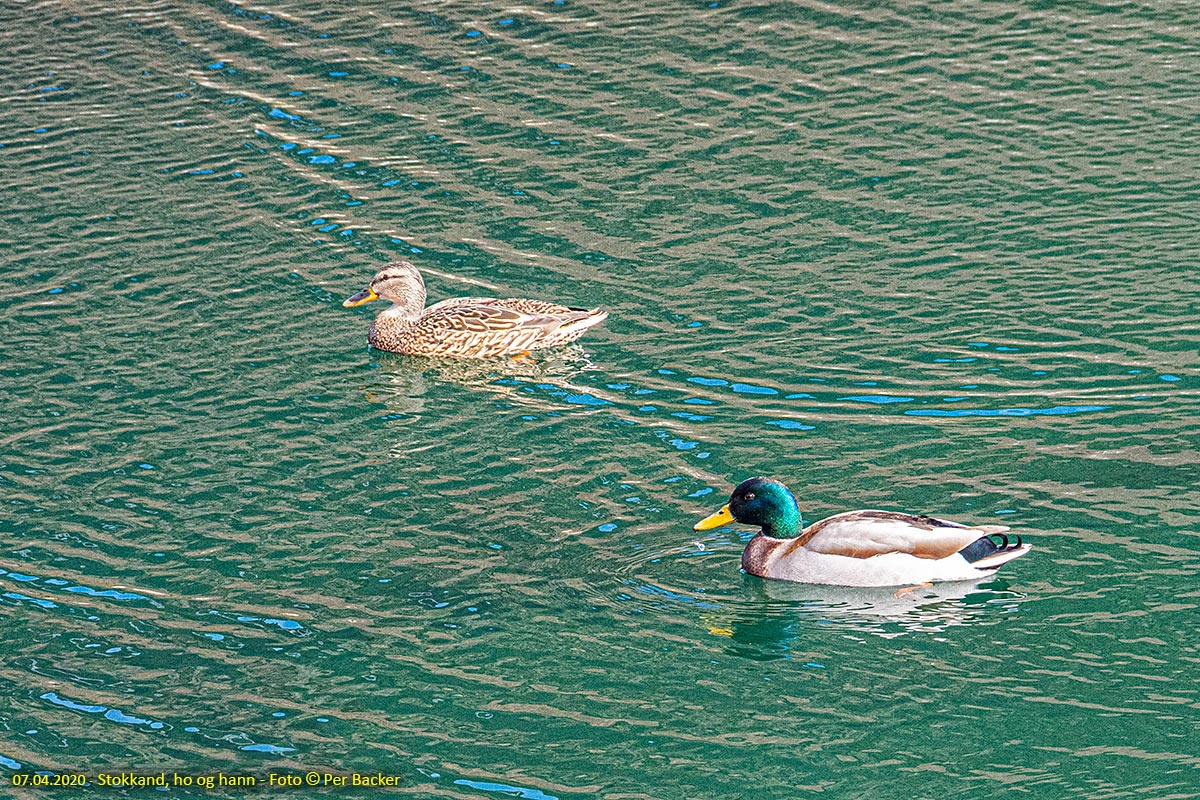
{"x": 365, "y": 296}
{"x": 722, "y": 517}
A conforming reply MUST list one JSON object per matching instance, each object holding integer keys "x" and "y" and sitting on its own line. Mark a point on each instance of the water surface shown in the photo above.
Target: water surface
{"x": 937, "y": 258}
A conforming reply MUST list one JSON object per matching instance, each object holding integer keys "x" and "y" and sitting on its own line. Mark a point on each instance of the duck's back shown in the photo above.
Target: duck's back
{"x": 862, "y": 534}
{"x": 511, "y": 303}
{"x": 483, "y": 327}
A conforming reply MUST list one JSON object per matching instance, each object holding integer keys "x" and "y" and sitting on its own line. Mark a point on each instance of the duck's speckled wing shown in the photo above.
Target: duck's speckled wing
{"x": 483, "y": 327}
{"x": 862, "y": 534}
{"x": 484, "y": 319}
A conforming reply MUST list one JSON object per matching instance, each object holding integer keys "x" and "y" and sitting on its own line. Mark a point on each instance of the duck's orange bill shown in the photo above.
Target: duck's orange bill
{"x": 722, "y": 517}
{"x": 365, "y": 296}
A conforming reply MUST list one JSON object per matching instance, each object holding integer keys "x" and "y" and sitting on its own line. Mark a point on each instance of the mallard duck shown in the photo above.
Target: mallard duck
{"x": 464, "y": 327}
{"x": 858, "y": 548}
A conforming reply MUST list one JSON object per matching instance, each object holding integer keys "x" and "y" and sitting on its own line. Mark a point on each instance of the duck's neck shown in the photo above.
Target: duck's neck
{"x": 785, "y": 521}
{"x": 408, "y": 299}
{"x": 402, "y": 313}
{"x": 389, "y": 325}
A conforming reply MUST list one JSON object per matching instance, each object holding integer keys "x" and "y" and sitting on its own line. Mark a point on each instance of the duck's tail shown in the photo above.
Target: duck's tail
{"x": 573, "y": 327}
{"x": 985, "y": 553}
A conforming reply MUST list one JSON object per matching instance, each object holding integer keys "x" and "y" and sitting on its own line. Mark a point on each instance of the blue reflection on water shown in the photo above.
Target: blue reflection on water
{"x": 112, "y": 593}
{"x": 114, "y": 714}
{"x": 790, "y": 425}
{"x": 515, "y": 791}
{"x": 585, "y": 400}
{"x": 268, "y": 748}
{"x": 60, "y": 701}
{"x": 35, "y": 600}
{"x": 749, "y": 388}
{"x": 1003, "y": 412}
{"x": 878, "y": 399}
{"x": 285, "y": 624}
{"x": 668, "y": 594}
{"x": 109, "y": 593}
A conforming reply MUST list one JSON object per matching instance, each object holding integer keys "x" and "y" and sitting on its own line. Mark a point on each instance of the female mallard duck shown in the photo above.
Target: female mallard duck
{"x": 464, "y": 327}
{"x": 858, "y": 548}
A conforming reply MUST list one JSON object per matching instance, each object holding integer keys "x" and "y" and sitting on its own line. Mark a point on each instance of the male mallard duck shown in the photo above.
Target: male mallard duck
{"x": 858, "y": 548}
{"x": 464, "y": 327}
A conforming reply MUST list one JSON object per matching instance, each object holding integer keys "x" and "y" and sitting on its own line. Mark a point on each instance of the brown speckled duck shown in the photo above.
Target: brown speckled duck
{"x": 464, "y": 327}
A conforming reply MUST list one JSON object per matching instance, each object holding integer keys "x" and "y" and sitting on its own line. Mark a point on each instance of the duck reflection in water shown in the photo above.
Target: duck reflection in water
{"x": 769, "y": 629}
{"x": 408, "y": 385}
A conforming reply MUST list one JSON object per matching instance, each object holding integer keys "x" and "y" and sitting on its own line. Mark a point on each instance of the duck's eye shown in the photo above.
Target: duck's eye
{"x": 749, "y": 495}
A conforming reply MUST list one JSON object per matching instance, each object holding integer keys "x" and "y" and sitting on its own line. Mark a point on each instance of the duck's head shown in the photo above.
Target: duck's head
{"x": 759, "y": 501}
{"x": 399, "y": 282}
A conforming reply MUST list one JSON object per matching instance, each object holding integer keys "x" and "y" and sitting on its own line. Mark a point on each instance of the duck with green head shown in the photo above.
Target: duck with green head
{"x": 464, "y": 327}
{"x": 858, "y": 548}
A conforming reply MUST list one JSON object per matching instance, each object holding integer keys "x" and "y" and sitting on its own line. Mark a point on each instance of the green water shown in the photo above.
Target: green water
{"x": 936, "y": 258}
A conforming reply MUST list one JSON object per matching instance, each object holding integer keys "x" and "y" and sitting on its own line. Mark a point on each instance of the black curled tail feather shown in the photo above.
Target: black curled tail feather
{"x": 986, "y": 546}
